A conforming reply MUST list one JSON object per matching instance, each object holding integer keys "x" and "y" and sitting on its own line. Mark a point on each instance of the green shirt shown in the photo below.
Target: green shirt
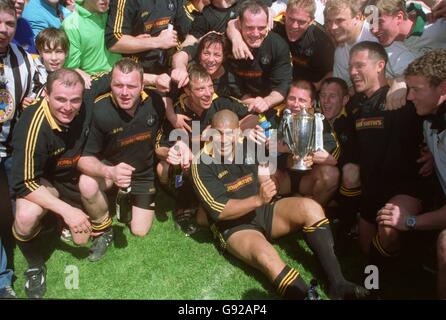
{"x": 85, "y": 31}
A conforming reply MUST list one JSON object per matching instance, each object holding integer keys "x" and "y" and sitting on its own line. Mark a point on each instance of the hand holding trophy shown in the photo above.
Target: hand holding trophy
{"x": 303, "y": 134}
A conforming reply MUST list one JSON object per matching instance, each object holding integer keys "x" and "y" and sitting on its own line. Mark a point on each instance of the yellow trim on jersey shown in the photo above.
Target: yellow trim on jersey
{"x": 30, "y": 146}
{"x": 52, "y": 122}
{"x": 337, "y": 151}
{"x": 102, "y": 96}
{"x": 159, "y": 136}
{"x": 117, "y": 28}
{"x": 217, "y": 206}
{"x": 342, "y": 113}
{"x": 279, "y": 109}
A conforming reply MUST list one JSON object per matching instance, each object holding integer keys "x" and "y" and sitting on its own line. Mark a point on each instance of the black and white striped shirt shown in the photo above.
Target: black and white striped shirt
{"x": 16, "y": 83}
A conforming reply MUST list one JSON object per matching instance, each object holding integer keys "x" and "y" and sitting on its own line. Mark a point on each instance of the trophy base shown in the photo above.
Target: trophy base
{"x": 300, "y": 166}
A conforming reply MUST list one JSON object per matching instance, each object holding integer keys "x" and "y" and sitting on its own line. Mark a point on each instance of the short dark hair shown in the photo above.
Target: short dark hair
{"x": 213, "y": 38}
{"x": 375, "y": 50}
{"x": 197, "y": 71}
{"x": 305, "y": 85}
{"x": 253, "y": 6}
{"x": 340, "y": 82}
{"x": 68, "y": 77}
{"x": 127, "y": 65}
{"x": 52, "y": 38}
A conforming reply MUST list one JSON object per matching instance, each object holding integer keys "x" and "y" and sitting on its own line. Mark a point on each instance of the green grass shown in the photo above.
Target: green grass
{"x": 168, "y": 265}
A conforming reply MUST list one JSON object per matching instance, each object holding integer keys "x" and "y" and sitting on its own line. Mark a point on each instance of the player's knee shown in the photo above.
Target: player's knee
{"x": 312, "y": 210}
{"x": 441, "y": 250}
{"x": 88, "y": 186}
{"x": 140, "y": 230}
{"x": 329, "y": 176}
{"x": 25, "y": 223}
{"x": 162, "y": 170}
{"x": 389, "y": 237}
{"x": 350, "y": 176}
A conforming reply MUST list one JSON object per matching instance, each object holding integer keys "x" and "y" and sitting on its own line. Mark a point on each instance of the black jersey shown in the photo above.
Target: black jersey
{"x": 312, "y": 54}
{"x": 344, "y": 132}
{"x": 44, "y": 149}
{"x": 135, "y": 17}
{"x": 204, "y": 120}
{"x": 191, "y": 13}
{"x": 271, "y": 69}
{"x": 216, "y": 19}
{"x": 117, "y": 137}
{"x": 388, "y": 142}
{"x": 216, "y": 184}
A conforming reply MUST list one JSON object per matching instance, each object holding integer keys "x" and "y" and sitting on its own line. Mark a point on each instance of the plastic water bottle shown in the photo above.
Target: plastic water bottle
{"x": 265, "y": 125}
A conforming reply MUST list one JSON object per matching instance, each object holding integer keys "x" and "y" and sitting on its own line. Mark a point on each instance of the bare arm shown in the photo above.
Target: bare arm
{"x": 236, "y": 208}
{"x": 129, "y": 44}
{"x": 179, "y": 68}
{"x": 189, "y": 41}
{"x": 120, "y": 174}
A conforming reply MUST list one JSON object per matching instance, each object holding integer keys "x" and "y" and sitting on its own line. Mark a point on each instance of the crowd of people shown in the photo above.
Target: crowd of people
{"x": 106, "y": 102}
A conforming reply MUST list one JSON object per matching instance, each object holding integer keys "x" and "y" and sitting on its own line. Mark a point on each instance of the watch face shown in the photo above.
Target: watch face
{"x": 410, "y": 222}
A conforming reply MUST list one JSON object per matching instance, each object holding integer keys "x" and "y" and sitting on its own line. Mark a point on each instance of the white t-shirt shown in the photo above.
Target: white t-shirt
{"x": 342, "y": 54}
{"x": 279, "y": 7}
{"x": 437, "y": 146}
{"x": 398, "y": 54}
{"x": 399, "y": 58}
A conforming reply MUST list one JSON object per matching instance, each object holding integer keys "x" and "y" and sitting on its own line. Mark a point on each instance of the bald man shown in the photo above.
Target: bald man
{"x": 238, "y": 201}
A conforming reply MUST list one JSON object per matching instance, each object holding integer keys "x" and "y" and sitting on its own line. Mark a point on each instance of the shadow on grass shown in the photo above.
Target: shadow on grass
{"x": 80, "y": 253}
{"x": 119, "y": 238}
{"x": 256, "y": 294}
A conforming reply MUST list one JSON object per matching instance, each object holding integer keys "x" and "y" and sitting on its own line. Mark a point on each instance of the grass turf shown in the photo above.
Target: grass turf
{"x": 168, "y": 265}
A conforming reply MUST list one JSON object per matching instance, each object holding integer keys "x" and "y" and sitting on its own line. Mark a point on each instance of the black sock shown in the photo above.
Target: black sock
{"x": 349, "y": 201}
{"x": 30, "y": 248}
{"x": 320, "y": 240}
{"x": 290, "y": 285}
{"x": 384, "y": 260}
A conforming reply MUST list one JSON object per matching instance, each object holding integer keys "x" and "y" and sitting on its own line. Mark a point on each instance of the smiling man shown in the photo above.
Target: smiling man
{"x": 119, "y": 153}
{"x": 265, "y": 80}
{"x": 388, "y": 154}
{"x": 47, "y": 144}
{"x": 426, "y": 80}
{"x": 199, "y": 103}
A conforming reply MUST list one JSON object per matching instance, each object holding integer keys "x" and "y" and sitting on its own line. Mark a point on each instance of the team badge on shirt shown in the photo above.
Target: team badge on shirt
{"x": 7, "y": 106}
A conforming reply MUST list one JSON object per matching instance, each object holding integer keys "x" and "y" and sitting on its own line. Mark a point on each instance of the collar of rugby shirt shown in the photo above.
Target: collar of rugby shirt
{"x": 420, "y": 19}
{"x": 438, "y": 120}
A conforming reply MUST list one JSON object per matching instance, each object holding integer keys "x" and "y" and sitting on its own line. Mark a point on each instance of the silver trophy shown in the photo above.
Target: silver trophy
{"x": 299, "y": 136}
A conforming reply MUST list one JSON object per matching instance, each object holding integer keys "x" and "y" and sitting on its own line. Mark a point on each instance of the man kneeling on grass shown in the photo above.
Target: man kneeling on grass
{"x": 238, "y": 202}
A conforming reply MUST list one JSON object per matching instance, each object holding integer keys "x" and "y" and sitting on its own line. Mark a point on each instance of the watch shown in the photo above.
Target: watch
{"x": 411, "y": 221}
